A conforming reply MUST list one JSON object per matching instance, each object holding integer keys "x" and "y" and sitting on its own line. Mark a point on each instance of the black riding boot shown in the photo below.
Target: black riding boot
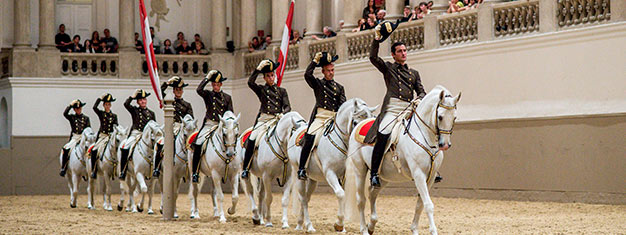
{"x": 94, "y": 163}
{"x": 195, "y": 161}
{"x": 157, "y": 161}
{"x": 377, "y": 157}
{"x": 64, "y": 159}
{"x": 438, "y": 178}
{"x": 246, "y": 159}
{"x": 123, "y": 164}
{"x": 304, "y": 155}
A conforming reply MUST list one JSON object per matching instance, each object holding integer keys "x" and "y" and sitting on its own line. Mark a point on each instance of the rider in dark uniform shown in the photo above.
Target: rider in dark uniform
{"x": 78, "y": 122}
{"x": 108, "y": 120}
{"x": 274, "y": 102}
{"x": 141, "y": 115}
{"x": 329, "y": 95}
{"x": 401, "y": 81}
{"x": 217, "y": 103}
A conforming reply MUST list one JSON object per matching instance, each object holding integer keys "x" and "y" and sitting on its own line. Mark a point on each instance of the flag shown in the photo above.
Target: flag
{"x": 149, "y": 52}
{"x": 284, "y": 45}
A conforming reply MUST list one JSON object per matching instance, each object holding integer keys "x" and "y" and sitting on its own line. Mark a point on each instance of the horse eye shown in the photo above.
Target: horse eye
{"x": 440, "y": 118}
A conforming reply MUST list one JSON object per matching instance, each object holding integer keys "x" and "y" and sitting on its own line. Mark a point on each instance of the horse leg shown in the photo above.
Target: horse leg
{"x": 70, "y": 185}
{"x": 418, "y": 210}
{"x": 150, "y": 194}
{"x": 176, "y": 189}
{"x": 218, "y": 195}
{"x": 333, "y": 181}
{"x": 160, "y": 181}
{"x": 267, "y": 202}
{"x": 193, "y": 194}
{"x": 374, "y": 216}
{"x": 422, "y": 188}
{"x": 235, "y": 192}
{"x": 285, "y": 201}
{"x": 123, "y": 190}
{"x": 361, "y": 173}
{"x": 299, "y": 189}
{"x": 249, "y": 190}
{"x": 261, "y": 200}
{"x": 143, "y": 189}
{"x": 107, "y": 192}
{"x": 310, "y": 188}
{"x": 75, "y": 182}
{"x": 90, "y": 189}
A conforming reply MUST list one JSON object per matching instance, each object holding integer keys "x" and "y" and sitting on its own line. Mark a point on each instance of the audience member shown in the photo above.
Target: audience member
{"x": 87, "y": 47}
{"x": 139, "y": 44}
{"x": 295, "y": 37}
{"x": 430, "y": 5}
{"x": 95, "y": 35}
{"x": 156, "y": 41}
{"x": 167, "y": 48}
{"x": 111, "y": 42}
{"x": 104, "y": 48}
{"x": 407, "y": 15}
{"x": 424, "y": 8}
{"x": 75, "y": 45}
{"x": 199, "y": 49}
{"x": 197, "y": 40}
{"x": 254, "y": 44}
{"x": 184, "y": 48}
{"x": 371, "y": 23}
{"x": 266, "y": 42}
{"x": 95, "y": 44}
{"x": 62, "y": 40}
{"x": 180, "y": 37}
{"x": 328, "y": 33}
{"x": 340, "y": 25}
{"x": 455, "y": 6}
{"x": 380, "y": 16}
{"x": 369, "y": 9}
{"x": 360, "y": 25}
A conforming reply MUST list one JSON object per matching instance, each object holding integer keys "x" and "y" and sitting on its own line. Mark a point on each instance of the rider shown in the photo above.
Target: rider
{"x": 217, "y": 103}
{"x": 181, "y": 108}
{"x": 329, "y": 95}
{"x": 401, "y": 81}
{"x": 274, "y": 102}
{"x": 141, "y": 116}
{"x": 108, "y": 120}
{"x": 78, "y": 122}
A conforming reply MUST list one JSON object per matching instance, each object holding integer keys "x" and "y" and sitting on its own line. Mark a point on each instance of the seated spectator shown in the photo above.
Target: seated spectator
{"x": 199, "y": 49}
{"x": 369, "y": 9}
{"x": 156, "y": 42}
{"x": 184, "y": 48}
{"x": 407, "y": 15}
{"x": 111, "y": 42}
{"x": 62, "y": 40}
{"x": 380, "y": 16}
{"x": 360, "y": 26}
{"x": 180, "y": 37}
{"x": 295, "y": 37}
{"x": 87, "y": 47}
{"x": 197, "y": 40}
{"x": 103, "y": 47}
{"x": 328, "y": 33}
{"x": 254, "y": 44}
{"x": 167, "y": 48}
{"x": 266, "y": 42}
{"x": 139, "y": 44}
{"x": 75, "y": 46}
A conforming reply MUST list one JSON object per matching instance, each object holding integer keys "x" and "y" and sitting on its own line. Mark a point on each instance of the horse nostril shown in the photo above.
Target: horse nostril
{"x": 440, "y": 145}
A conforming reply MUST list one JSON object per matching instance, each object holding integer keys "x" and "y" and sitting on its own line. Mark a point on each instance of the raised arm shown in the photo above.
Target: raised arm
{"x": 200, "y": 90}
{"x": 127, "y": 105}
{"x": 252, "y": 83}
{"x": 66, "y": 113}
{"x": 308, "y": 76}
{"x": 95, "y": 107}
{"x": 378, "y": 62}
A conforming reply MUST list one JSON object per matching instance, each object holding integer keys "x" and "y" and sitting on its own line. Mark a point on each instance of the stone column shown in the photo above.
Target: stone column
{"x": 485, "y": 22}
{"x": 431, "y": 32}
{"x": 280, "y": 9}
{"x": 129, "y": 57}
{"x": 169, "y": 204}
{"x": 313, "y": 18}
{"x": 439, "y": 6}
{"x": 21, "y": 30}
{"x": 547, "y": 16}
{"x": 618, "y": 10}
{"x": 218, "y": 26}
{"x": 351, "y": 14}
{"x": 394, "y": 9}
{"x": 46, "y": 24}
{"x": 248, "y": 22}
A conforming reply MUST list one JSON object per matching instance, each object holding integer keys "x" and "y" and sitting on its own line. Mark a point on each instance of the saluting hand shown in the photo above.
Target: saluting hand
{"x": 263, "y": 64}
{"x": 318, "y": 57}
{"x": 377, "y": 36}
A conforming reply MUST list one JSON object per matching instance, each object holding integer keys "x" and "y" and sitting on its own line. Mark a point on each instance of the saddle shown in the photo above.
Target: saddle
{"x": 192, "y": 138}
{"x": 363, "y": 127}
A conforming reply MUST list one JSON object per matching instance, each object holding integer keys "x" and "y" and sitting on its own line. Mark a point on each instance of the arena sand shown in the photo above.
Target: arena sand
{"x": 52, "y": 215}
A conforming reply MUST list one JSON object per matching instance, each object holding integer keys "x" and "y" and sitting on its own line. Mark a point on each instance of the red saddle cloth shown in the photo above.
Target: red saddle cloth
{"x": 362, "y": 128}
{"x": 89, "y": 150}
{"x": 244, "y": 136}
{"x": 300, "y": 136}
{"x": 192, "y": 138}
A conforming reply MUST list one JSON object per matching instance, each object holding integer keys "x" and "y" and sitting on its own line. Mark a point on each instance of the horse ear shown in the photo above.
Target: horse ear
{"x": 441, "y": 95}
{"x": 162, "y": 127}
{"x": 457, "y": 98}
{"x": 372, "y": 109}
{"x": 237, "y": 118}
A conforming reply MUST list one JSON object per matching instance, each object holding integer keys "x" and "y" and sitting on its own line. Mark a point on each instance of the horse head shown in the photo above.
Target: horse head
{"x": 118, "y": 134}
{"x": 189, "y": 125}
{"x": 439, "y": 111}
{"x": 229, "y": 126}
{"x": 360, "y": 112}
{"x": 88, "y": 137}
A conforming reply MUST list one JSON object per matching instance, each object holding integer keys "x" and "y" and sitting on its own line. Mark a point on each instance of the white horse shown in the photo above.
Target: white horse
{"x": 139, "y": 168}
{"x": 107, "y": 163}
{"x": 415, "y": 158}
{"x": 268, "y": 166}
{"x": 328, "y": 160}
{"x": 220, "y": 163}
{"x": 77, "y": 166}
{"x": 180, "y": 157}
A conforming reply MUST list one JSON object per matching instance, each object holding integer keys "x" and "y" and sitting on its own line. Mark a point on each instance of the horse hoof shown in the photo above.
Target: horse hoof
{"x": 161, "y": 211}
{"x": 72, "y": 206}
{"x": 231, "y": 211}
{"x": 269, "y": 225}
{"x": 119, "y": 208}
{"x": 370, "y": 231}
{"x": 338, "y": 228}
{"x": 140, "y": 210}
{"x": 256, "y": 221}
{"x": 150, "y": 212}
{"x": 285, "y": 226}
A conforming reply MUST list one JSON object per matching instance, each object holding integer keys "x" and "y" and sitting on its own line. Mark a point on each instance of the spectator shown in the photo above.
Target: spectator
{"x": 295, "y": 37}
{"x": 266, "y": 42}
{"x": 103, "y": 47}
{"x": 111, "y": 42}
{"x": 455, "y": 6}
{"x": 95, "y": 44}
{"x": 369, "y": 9}
{"x": 156, "y": 41}
{"x": 197, "y": 40}
{"x": 430, "y": 5}
{"x": 424, "y": 9}
{"x": 87, "y": 48}
{"x": 184, "y": 48}
{"x": 254, "y": 44}
{"x": 95, "y": 35}
{"x": 361, "y": 26}
{"x": 328, "y": 33}
{"x": 139, "y": 43}
{"x": 180, "y": 37}
{"x": 371, "y": 23}
{"x": 199, "y": 49}
{"x": 380, "y": 16}
{"x": 340, "y": 25}
{"x": 75, "y": 45}
{"x": 167, "y": 48}
{"x": 62, "y": 40}
{"x": 407, "y": 15}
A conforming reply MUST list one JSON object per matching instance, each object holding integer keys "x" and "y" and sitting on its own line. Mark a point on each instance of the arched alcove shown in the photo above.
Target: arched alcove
{"x": 4, "y": 123}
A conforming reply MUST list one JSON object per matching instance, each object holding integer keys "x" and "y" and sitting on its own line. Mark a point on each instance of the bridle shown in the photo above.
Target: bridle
{"x": 438, "y": 131}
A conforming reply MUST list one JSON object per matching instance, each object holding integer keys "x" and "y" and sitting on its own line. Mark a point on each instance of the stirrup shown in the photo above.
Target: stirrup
{"x": 244, "y": 174}
{"x": 375, "y": 181}
{"x": 94, "y": 174}
{"x": 302, "y": 174}
{"x": 156, "y": 173}
{"x": 122, "y": 176}
{"x": 195, "y": 177}
{"x": 438, "y": 179}
{"x": 62, "y": 173}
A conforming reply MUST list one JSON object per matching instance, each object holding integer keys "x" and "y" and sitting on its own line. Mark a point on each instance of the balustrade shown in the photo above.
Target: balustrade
{"x": 576, "y": 12}
{"x": 516, "y": 18}
{"x": 83, "y": 64}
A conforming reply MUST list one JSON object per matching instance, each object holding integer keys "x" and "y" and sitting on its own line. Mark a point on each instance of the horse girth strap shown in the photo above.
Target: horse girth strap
{"x": 284, "y": 159}
{"x": 428, "y": 151}
{"x": 343, "y": 151}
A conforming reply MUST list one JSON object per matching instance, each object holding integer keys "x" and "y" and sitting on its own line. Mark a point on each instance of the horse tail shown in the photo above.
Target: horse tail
{"x": 351, "y": 210}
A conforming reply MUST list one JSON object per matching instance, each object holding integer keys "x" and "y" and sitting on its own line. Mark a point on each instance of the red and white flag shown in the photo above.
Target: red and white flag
{"x": 284, "y": 45}
{"x": 149, "y": 51}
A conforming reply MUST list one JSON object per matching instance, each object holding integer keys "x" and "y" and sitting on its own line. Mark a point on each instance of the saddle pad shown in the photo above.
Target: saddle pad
{"x": 192, "y": 138}
{"x": 300, "y": 136}
{"x": 244, "y": 136}
{"x": 89, "y": 150}
{"x": 362, "y": 128}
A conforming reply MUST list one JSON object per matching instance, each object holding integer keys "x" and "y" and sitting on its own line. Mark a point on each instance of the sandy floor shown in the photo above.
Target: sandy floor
{"x": 52, "y": 214}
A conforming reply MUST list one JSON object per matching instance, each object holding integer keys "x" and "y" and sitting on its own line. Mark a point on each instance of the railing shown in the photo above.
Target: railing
{"x": 576, "y": 12}
{"x": 5, "y": 63}
{"x": 252, "y": 60}
{"x": 412, "y": 34}
{"x": 292, "y": 57}
{"x": 359, "y": 44}
{"x": 458, "y": 28}
{"x": 328, "y": 45}
{"x": 82, "y": 64}
{"x": 179, "y": 65}
{"x": 516, "y": 18}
